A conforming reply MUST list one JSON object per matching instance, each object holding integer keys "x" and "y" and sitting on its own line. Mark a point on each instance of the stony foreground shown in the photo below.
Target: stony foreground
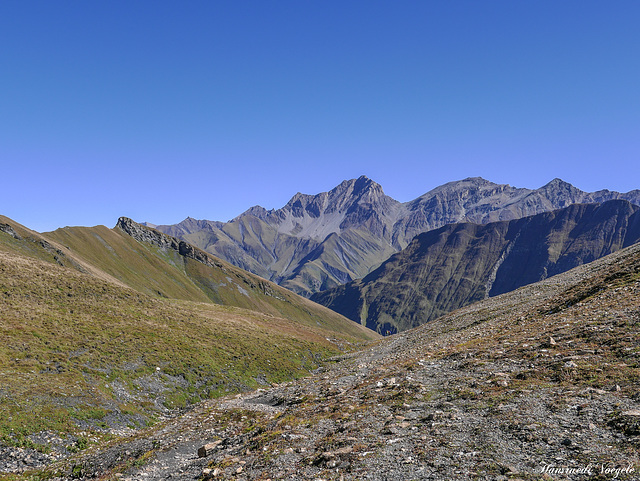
{"x": 541, "y": 383}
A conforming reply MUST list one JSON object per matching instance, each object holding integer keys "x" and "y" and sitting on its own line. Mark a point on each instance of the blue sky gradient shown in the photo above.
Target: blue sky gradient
{"x": 160, "y": 110}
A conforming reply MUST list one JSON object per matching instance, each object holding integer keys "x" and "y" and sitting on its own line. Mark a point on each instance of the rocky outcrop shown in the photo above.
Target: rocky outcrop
{"x": 223, "y": 277}
{"x": 458, "y": 264}
{"x": 146, "y": 234}
{"x": 7, "y": 229}
{"x": 151, "y": 236}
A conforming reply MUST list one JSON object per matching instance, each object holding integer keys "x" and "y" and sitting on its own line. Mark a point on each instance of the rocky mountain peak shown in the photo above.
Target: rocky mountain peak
{"x": 355, "y": 191}
{"x": 256, "y": 211}
{"x": 364, "y": 184}
{"x": 559, "y": 185}
{"x": 455, "y": 192}
{"x": 560, "y": 193}
{"x": 557, "y": 181}
{"x": 338, "y": 200}
{"x": 475, "y": 180}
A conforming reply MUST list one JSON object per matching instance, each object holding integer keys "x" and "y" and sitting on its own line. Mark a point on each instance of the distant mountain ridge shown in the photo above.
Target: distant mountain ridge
{"x": 458, "y": 264}
{"x": 316, "y": 242}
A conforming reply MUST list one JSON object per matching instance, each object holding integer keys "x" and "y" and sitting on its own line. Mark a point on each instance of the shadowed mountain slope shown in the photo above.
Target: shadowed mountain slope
{"x": 316, "y": 242}
{"x": 458, "y": 264}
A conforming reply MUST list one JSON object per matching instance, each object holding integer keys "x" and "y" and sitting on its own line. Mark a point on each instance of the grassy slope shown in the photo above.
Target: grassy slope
{"x": 140, "y": 266}
{"x": 70, "y": 339}
{"x": 83, "y": 350}
{"x": 163, "y": 272}
{"x": 35, "y": 245}
{"x": 31, "y": 249}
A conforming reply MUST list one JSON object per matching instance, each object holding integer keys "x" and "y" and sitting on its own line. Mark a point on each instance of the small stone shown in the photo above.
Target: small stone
{"x": 207, "y": 449}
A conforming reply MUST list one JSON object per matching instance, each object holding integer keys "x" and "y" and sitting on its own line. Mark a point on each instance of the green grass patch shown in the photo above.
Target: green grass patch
{"x": 106, "y": 351}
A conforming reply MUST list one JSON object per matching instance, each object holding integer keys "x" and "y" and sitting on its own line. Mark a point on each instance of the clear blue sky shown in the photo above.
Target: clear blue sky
{"x": 159, "y": 110}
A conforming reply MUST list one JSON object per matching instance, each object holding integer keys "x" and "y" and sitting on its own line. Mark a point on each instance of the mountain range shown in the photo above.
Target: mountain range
{"x": 317, "y": 242}
{"x": 458, "y": 264}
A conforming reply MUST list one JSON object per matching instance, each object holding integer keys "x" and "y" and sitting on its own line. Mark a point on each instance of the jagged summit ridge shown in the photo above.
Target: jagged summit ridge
{"x": 317, "y": 216}
{"x": 320, "y": 241}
